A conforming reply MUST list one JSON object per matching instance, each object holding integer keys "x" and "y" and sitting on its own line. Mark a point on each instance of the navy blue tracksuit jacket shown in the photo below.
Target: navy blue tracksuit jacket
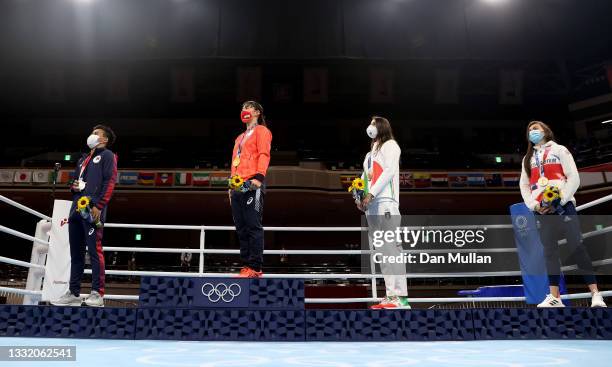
{"x": 100, "y": 175}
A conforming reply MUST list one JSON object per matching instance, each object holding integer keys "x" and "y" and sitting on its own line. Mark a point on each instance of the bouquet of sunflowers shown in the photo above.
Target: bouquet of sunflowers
{"x": 236, "y": 183}
{"x": 551, "y": 198}
{"x": 359, "y": 189}
{"x": 85, "y": 211}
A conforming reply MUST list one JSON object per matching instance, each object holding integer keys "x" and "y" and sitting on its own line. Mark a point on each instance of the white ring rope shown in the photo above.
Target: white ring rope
{"x": 24, "y": 292}
{"x": 294, "y": 252}
{"x": 8, "y": 260}
{"x": 22, "y": 235}
{"x": 24, "y": 208}
{"x": 122, "y": 297}
{"x": 302, "y": 252}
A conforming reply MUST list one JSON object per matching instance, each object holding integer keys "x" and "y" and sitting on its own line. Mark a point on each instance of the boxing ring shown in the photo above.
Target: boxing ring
{"x": 275, "y": 311}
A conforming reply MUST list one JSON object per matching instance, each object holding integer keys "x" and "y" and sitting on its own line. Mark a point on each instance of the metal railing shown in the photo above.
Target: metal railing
{"x": 202, "y": 251}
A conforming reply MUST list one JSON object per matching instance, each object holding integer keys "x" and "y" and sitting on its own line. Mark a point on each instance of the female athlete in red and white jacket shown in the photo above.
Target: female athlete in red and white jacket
{"x": 550, "y": 164}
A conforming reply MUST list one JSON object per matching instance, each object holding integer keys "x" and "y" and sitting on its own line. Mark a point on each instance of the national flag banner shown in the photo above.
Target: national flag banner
{"x": 183, "y": 85}
{"x": 347, "y": 180}
{"x": 146, "y": 178}
{"x": 219, "y": 179}
{"x": 493, "y": 179}
{"x": 458, "y": 179}
{"x": 203, "y": 179}
{"x": 182, "y": 179}
{"x": 476, "y": 180}
{"x": 511, "y": 179}
{"x": 22, "y": 176}
{"x": 439, "y": 180}
{"x": 381, "y": 86}
{"x": 128, "y": 178}
{"x": 6, "y": 175}
{"x": 315, "y": 85}
{"x": 406, "y": 180}
{"x": 164, "y": 179}
{"x": 422, "y": 180}
{"x": 249, "y": 83}
{"x": 41, "y": 176}
{"x": 65, "y": 176}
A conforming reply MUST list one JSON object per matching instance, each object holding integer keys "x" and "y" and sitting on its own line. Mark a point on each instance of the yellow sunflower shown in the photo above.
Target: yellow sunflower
{"x": 236, "y": 181}
{"x": 551, "y": 194}
{"x": 358, "y": 184}
{"x": 83, "y": 203}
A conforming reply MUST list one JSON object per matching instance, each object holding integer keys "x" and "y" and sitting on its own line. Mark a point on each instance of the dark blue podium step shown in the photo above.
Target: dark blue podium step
{"x": 300, "y": 325}
{"x": 221, "y": 293}
{"x": 177, "y": 308}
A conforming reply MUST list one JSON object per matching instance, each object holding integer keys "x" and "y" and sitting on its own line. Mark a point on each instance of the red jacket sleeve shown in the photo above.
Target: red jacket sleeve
{"x": 109, "y": 180}
{"x": 264, "y": 144}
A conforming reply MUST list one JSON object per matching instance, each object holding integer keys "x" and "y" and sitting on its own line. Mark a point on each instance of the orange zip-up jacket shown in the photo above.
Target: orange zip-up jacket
{"x": 255, "y": 154}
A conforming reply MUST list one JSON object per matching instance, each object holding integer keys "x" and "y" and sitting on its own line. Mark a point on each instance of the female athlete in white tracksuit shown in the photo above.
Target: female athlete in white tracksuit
{"x": 381, "y": 206}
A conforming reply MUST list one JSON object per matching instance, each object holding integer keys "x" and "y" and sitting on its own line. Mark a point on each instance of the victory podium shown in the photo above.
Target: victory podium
{"x": 268, "y": 309}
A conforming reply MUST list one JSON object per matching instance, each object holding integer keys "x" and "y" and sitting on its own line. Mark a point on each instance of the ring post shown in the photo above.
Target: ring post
{"x": 202, "y": 239}
{"x": 39, "y": 257}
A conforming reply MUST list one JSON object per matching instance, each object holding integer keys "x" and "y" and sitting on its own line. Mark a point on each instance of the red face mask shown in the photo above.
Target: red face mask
{"x": 246, "y": 116}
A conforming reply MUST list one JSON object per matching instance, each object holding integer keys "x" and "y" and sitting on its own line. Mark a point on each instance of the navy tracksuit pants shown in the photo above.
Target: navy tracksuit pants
{"x": 554, "y": 227}
{"x": 84, "y": 235}
{"x": 247, "y": 211}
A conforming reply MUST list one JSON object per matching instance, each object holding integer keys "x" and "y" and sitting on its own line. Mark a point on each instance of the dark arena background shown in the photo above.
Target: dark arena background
{"x": 459, "y": 82}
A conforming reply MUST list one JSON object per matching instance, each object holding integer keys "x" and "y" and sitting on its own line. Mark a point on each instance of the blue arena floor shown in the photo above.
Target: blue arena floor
{"x": 120, "y": 353}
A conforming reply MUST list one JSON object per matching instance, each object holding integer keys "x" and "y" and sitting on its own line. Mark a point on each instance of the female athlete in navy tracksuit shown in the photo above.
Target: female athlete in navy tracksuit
{"x": 96, "y": 176}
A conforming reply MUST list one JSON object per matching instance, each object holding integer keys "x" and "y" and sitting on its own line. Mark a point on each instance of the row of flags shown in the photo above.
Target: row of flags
{"x": 407, "y": 180}
{"x": 423, "y": 180}
{"x": 148, "y": 178}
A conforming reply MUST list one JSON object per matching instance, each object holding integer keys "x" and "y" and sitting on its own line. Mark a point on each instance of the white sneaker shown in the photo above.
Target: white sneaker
{"x": 551, "y": 301}
{"x": 68, "y": 299}
{"x": 597, "y": 300}
{"x": 94, "y": 300}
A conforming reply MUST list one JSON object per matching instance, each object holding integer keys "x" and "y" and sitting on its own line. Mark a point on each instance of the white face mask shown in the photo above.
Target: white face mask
{"x": 372, "y": 131}
{"x": 93, "y": 141}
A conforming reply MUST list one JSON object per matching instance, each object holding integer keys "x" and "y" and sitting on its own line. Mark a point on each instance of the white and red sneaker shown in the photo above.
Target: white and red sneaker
{"x": 394, "y": 302}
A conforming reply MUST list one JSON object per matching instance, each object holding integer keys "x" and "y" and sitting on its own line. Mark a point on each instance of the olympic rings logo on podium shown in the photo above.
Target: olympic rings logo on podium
{"x": 221, "y": 292}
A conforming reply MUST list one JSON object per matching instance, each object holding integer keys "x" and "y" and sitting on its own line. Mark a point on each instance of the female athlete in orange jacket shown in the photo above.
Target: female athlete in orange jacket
{"x": 250, "y": 160}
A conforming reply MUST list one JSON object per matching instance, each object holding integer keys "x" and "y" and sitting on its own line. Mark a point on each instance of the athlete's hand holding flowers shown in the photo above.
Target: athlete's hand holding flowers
{"x": 359, "y": 190}
{"x": 92, "y": 215}
{"x": 551, "y": 201}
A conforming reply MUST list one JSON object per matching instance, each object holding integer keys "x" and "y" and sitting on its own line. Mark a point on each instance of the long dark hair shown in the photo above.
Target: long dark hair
{"x": 261, "y": 120}
{"x": 548, "y": 136}
{"x": 384, "y": 131}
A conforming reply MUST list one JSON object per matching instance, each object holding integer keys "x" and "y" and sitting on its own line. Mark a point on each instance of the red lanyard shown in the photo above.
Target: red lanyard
{"x": 541, "y": 166}
{"x": 84, "y": 165}
{"x": 246, "y": 135}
